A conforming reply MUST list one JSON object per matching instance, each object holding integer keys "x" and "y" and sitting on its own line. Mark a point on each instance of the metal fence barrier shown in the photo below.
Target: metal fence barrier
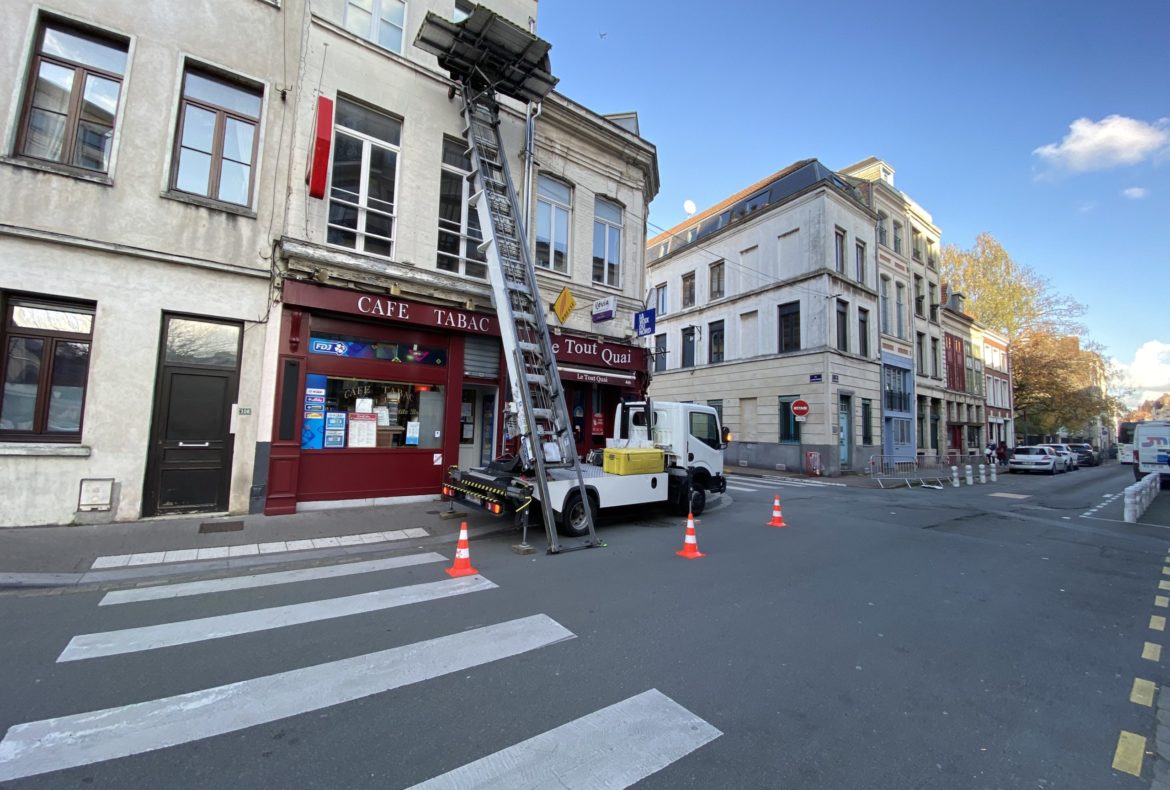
{"x": 926, "y": 471}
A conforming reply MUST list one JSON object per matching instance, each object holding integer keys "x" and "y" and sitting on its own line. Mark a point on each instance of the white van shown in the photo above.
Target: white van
{"x": 1151, "y": 449}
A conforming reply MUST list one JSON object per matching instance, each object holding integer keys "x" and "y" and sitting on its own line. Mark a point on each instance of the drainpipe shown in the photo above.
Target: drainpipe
{"x": 533, "y": 112}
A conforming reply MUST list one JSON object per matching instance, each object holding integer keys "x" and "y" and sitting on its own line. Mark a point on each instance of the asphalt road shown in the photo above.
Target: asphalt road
{"x": 885, "y": 639}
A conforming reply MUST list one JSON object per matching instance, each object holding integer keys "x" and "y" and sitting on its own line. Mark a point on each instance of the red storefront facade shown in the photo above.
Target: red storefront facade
{"x": 377, "y": 395}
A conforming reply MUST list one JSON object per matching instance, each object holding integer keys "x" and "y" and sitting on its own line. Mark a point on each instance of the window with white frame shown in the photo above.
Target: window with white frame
{"x": 660, "y": 300}
{"x": 839, "y": 250}
{"x": 859, "y": 262}
{"x": 75, "y": 84}
{"x": 659, "y": 353}
{"x": 607, "y": 242}
{"x": 217, "y": 139}
{"x": 362, "y": 192}
{"x": 883, "y": 229}
{"x": 897, "y": 236}
{"x": 459, "y": 231}
{"x": 379, "y": 21}
{"x": 688, "y": 290}
{"x": 554, "y": 206}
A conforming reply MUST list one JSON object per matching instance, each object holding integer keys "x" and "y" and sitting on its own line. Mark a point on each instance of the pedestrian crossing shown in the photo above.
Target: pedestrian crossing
{"x": 614, "y": 746}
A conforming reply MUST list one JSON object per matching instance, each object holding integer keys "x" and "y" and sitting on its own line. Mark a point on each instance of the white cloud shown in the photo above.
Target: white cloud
{"x": 1112, "y": 141}
{"x": 1149, "y": 372}
{"x": 1135, "y": 193}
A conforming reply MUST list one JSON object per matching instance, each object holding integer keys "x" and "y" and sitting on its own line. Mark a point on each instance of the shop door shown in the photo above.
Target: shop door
{"x": 189, "y": 464}
{"x": 476, "y": 426}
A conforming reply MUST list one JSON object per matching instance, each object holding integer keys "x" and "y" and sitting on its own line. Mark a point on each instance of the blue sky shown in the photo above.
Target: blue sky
{"x": 1045, "y": 124}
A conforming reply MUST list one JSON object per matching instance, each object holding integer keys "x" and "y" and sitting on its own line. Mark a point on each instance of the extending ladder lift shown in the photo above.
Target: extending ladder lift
{"x": 488, "y": 55}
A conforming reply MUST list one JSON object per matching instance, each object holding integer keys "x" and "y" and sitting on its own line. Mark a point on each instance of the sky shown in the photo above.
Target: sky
{"x": 1044, "y": 124}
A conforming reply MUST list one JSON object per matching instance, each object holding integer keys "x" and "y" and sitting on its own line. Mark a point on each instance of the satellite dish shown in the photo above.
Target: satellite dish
{"x": 689, "y": 207}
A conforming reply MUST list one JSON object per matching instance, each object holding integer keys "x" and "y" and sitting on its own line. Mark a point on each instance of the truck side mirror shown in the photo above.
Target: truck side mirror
{"x": 726, "y": 437}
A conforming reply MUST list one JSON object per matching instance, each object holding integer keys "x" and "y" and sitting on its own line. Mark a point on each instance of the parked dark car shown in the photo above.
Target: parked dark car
{"x": 1086, "y": 454}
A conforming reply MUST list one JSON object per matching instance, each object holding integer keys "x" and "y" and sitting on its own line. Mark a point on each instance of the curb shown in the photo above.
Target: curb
{"x": 48, "y": 580}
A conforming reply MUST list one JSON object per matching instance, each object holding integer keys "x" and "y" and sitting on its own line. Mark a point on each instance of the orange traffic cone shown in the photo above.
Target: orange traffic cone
{"x": 462, "y": 566}
{"x": 777, "y": 516}
{"x": 690, "y": 549}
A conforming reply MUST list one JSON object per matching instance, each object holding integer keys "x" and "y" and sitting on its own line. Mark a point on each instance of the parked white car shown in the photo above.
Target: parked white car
{"x": 1071, "y": 459}
{"x": 1037, "y": 458}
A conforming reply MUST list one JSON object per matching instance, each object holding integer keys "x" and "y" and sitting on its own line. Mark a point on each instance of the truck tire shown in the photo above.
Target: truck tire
{"x": 698, "y": 502}
{"x": 572, "y": 523}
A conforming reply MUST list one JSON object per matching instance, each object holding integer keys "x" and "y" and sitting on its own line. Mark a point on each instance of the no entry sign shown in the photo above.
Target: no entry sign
{"x": 800, "y": 408}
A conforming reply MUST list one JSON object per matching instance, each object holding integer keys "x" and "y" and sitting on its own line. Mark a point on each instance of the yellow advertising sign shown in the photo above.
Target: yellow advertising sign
{"x": 564, "y": 304}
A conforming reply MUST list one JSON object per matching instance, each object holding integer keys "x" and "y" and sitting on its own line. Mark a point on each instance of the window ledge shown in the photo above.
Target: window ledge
{"x": 59, "y": 170}
{"x": 44, "y": 449}
{"x": 215, "y": 205}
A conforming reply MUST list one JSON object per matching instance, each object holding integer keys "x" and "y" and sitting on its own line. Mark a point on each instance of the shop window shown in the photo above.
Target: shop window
{"x": 46, "y": 367}
{"x": 362, "y": 413}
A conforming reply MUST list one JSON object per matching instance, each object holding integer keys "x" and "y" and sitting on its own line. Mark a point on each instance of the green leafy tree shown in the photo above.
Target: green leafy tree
{"x": 1057, "y": 382}
{"x": 1007, "y": 296}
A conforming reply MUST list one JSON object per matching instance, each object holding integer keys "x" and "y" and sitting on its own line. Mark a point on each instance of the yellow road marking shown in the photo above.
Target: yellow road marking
{"x": 1164, "y": 585}
{"x": 1130, "y": 749}
{"x": 1162, "y": 600}
{"x": 1157, "y": 622}
{"x": 1152, "y": 652}
{"x": 1142, "y": 692}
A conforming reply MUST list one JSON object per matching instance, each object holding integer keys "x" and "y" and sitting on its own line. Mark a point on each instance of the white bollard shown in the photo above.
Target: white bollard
{"x": 993, "y": 477}
{"x": 1130, "y": 511}
{"x": 969, "y": 475}
{"x": 982, "y": 474}
{"x": 954, "y": 477}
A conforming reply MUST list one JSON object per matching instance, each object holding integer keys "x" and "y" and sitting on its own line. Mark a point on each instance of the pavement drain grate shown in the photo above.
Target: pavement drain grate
{"x": 220, "y": 526}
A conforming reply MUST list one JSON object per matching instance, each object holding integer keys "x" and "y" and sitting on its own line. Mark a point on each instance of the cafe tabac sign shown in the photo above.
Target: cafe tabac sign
{"x": 390, "y": 309}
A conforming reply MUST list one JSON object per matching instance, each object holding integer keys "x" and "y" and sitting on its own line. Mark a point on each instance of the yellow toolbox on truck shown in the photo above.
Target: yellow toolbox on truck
{"x": 634, "y": 461}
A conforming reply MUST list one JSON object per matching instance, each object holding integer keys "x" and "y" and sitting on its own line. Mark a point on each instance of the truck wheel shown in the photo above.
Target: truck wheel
{"x": 698, "y": 502}
{"x": 573, "y": 523}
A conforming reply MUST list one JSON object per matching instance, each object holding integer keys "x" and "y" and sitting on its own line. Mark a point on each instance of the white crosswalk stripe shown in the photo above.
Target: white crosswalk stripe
{"x": 623, "y": 744}
{"x": 131, "y": 640}
{"x": 754, "y": 483}
{"x": 613, "y": 747}
{"x": 162, "y": 591}
{"x": 84, "y": 738}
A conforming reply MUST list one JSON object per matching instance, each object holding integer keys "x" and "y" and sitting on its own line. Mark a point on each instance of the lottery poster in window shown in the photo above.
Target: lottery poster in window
{"x": 412, "y": 433}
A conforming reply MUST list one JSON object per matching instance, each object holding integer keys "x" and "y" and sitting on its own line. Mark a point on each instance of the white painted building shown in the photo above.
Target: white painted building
{"x": 141, "y": 180}
{"x": 383, "y": 295}
{"x": 907, "y": 243}
{"x": 769, "y": 298}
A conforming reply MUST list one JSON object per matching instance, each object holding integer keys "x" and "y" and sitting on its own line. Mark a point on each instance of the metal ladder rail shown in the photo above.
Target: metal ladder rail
{"x": 532, "y": 361}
